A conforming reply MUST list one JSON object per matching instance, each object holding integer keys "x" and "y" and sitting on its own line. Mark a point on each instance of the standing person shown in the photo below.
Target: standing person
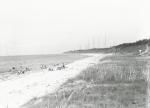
{"x": 63, "y": 65}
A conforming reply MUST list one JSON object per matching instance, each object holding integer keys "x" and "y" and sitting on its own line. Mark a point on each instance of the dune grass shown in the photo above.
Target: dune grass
{"x": 115, "y": 72}
{"x": 120, "y": 82}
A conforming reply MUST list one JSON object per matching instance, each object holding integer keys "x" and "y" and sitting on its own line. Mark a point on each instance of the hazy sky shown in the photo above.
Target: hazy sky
{"x": 54, "y": 26}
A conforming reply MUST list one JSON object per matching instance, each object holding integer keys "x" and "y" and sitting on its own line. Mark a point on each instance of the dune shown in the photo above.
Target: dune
{"x": 17, "y": 91}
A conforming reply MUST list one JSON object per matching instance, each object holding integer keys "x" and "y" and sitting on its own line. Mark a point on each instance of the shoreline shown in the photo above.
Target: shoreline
{"x": 16, "y": 92}
{"x": 8, "y": 75}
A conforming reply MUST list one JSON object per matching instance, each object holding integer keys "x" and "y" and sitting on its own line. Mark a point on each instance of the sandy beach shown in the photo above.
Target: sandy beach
{"x": 18, "y": 91}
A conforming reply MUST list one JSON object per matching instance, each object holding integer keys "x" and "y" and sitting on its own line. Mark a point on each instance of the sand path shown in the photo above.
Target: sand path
{"x": 16, "y": 92}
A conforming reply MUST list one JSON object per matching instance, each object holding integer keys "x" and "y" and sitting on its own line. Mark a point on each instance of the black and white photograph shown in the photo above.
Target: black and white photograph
{"x": 74, "y": 54}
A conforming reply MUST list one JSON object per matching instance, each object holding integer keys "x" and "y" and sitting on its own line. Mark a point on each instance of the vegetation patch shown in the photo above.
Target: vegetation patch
{"x": 120, "y": 82}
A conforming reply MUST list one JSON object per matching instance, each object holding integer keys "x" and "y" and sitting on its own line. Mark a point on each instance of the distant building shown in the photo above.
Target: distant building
{"x": 146, "y": 51}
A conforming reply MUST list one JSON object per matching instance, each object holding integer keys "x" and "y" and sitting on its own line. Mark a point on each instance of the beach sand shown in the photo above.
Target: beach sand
{"x": 17, "y": 91}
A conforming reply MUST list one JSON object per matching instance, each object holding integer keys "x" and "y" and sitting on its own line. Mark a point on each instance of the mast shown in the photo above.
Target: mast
{"x": 93, "y": 42}
{"x": 105, "y": 42}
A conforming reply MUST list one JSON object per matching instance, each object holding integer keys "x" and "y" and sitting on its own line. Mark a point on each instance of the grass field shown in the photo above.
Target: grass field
{"x": 117, "y": 82}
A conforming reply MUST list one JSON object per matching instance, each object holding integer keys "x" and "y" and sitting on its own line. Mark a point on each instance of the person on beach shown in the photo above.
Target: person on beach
{"x": 43, "y": 66}
{"x": 63, "y": 65}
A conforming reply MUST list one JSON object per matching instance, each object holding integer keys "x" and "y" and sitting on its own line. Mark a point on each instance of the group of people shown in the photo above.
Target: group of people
{"x": 53, "y": 67}
{"x": 22, "y": 69}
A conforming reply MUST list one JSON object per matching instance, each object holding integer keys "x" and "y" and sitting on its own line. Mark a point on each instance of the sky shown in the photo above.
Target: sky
{"x": 54, "y": 26}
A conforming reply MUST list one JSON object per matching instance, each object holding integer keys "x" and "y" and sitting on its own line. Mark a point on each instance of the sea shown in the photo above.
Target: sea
{"x": 35, "y": 61}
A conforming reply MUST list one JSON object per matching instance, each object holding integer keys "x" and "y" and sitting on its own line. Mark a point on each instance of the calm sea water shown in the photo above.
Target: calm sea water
{"x": 34, "y": 61}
